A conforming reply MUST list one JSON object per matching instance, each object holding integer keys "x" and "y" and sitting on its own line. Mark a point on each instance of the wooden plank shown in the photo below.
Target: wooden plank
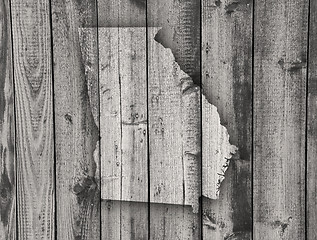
{"x": 279, "y": 125}
{"x": 311, "y": 210}
{"x": 76, "y": 119}
{"x": 132, "y": 223}
{"x": 123, "y": 113}
{"x": 174, "y": 118}
{"x": 34, "y": 119}
{"x": 123, "y": 96}
{"x": 173, "y": 222}
{"x": 227, "y": 88}
{"x": 7, "y": 129}
{"x": 174, "y": 121}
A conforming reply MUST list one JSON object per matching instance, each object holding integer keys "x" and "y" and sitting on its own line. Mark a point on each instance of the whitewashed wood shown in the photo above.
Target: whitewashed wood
{"x": 110, "y": 114}
{"x": 133, "y": 82}
{"x": 123, "y": 114}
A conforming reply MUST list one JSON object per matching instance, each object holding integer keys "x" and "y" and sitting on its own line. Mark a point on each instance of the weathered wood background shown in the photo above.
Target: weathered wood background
{"x": 161, "y": 120}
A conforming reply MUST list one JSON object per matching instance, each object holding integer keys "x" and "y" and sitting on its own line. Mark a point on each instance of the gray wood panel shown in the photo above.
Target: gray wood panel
{"x": 280, "y": 60}
{"x": 7, "y": 129}
{"x": 227, "y": 85}
{"x": 76, "y": 97}
{"x": 34, "y": 119}
{"x": 311, "y": 210}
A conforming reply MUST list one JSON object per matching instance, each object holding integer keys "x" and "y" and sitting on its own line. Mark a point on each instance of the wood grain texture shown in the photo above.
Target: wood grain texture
{"x": 179, "y": 22}
{"x": 7, "y": 129}
{"x": 227, "y": 84}
{"x": 123, "y": 113}
{"x": 34, "y": 119}
{"x": 311, "y": 211}
{"x": 124, "y": 220}
{"x": 124, "y": 153}
{"x": 174, "y": 123}
{"x": 279, "y": 125}
{"x": 174, "y": 120}
{"x": 76, "y": 119}
{"x": 123, "y": 96}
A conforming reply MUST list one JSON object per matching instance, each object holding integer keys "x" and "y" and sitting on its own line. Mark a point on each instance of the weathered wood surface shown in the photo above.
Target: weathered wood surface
{"x": 227, "y": 84}
{"x": 34, "y": 119}
{"x": 174, "y": 118}
{"x": 7, "y": 129}
{"x": 123, "y": 97}
{"x": 124, "y": 220}
{"x": 280, "y": 59}
{"x": 124, "y": 153}
{"x": 148, "y": 105}
{"x": 311, "y": 211}
{"x": 124, "y": 156}
{"x": 76, "y": 95}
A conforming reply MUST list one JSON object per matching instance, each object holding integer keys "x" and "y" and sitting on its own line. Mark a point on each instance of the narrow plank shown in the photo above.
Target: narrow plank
{"x": 7, "y": 129}
{"x": 227, "y": 116}
{"x": 279, "y": 119}
{"x": 174, "y": 119}
{"x": 311, "y": 210}
{"x": 76, "y": 92}
{"x": 34, "y": 119}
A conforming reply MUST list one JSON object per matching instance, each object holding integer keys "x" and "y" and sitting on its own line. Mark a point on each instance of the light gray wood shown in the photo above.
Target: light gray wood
{"x": 123, "y": 131}
{"x": 7, "y": 128}
{"x": 76, "y": 100}
{"x": 123, "y": 96}
{"x": 34, "y": 119}
{"x": 279, "y": 119}
{"x": 227, "y": 90}
{"x": 123, "y": 113}
{"x": 311, "y": 210}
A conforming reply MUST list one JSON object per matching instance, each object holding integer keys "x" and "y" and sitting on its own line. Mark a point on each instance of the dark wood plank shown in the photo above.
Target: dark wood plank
{"x": 7, "y": 129}
{"x": 76, "y": 94}
{"x": 34, "y": 119}
{"x": 312, "y": 126}
{"x": 227, "y": 85}
{"x": 174, "y": 118}
{"x": 280, "y": 60}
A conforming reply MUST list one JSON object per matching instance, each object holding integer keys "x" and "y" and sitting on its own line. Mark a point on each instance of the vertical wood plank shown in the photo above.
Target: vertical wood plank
{"x": 7, "y": 129}
{"x": 76, "y": 119}
{"x": 124, "y": 113}
{"x": 124, "y": 130}
{"x": 174, "y": 119}
{"x": 311, "y": 223}
{"x": 123, "y": 95}
{"x": 227, "y": 89}
{"x": 34, "y": 119}
{"x": 132, "y": 222}
{"x": 279, "y": 125}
